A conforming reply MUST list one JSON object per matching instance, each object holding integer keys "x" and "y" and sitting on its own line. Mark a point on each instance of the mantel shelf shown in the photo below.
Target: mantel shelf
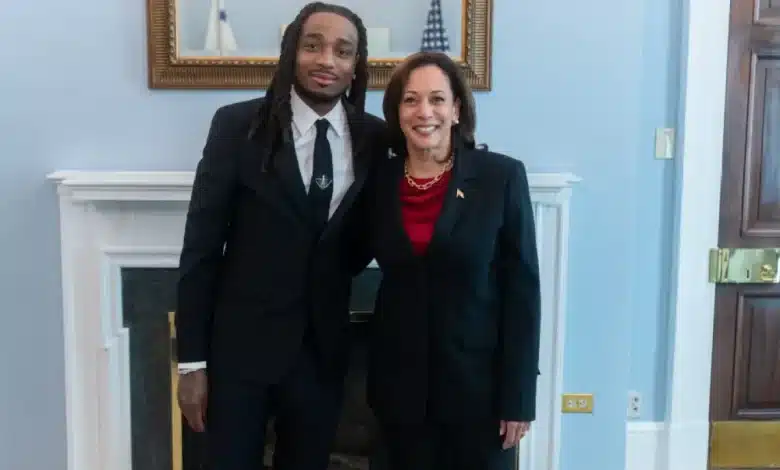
{"x": 177, "y": 185}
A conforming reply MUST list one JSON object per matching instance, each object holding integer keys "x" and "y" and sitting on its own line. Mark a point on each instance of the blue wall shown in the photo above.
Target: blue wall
{"x": 578, "y": 86}
{"x": 660, "y": 89}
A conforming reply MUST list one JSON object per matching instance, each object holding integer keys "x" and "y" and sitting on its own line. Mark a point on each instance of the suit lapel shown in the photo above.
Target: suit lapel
{"x": 286, "y": 163}
{"x": 455, "y": 199}
{"x": 390, "y": 195}
{"x": 361, "y": 159}
{"x": 285, "y": 170}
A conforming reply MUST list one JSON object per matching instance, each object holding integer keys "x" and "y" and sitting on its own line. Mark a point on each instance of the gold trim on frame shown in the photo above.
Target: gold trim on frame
{"x": 167, "y": 70}
{"x": 176, "y": 429}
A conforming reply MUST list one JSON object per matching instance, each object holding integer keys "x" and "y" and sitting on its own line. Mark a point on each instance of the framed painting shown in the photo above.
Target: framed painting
{"x": 235, "y": 44}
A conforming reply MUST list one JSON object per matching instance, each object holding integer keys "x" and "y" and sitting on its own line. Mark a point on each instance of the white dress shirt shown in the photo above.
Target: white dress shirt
{"x": 304, "y": 133}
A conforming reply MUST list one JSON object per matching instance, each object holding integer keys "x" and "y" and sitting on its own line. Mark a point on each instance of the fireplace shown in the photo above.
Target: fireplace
{"x": 121, "y": 236}
{"x": 161, "y": 440}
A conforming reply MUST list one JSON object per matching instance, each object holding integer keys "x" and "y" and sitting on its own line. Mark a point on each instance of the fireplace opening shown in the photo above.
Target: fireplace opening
{"x": 161, "y": 440}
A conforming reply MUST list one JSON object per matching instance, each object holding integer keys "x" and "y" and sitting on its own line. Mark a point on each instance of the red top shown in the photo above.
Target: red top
{"x": 420, "y": 210}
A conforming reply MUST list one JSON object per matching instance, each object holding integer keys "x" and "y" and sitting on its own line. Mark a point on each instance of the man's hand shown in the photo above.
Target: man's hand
{"x": 192, "y": 394}
{"x": 513, "y": 431}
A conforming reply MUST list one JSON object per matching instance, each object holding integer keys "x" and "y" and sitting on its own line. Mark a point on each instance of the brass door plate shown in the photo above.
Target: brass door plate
{"x": 745, "y": 266}
{"x": 745, "y": 444}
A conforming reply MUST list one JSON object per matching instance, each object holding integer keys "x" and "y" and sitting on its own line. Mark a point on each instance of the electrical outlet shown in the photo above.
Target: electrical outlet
{"x": 634, "y": 404}
{"x": 577, "y": 403}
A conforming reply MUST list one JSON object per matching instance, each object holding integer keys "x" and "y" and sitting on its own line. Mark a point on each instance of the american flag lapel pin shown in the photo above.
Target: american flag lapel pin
{"x": 459, "y": 194}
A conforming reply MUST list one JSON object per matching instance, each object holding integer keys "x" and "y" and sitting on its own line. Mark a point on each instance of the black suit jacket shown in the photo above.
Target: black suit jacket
{"x": 253, "y": 277}
{"x": 456, "y": 331}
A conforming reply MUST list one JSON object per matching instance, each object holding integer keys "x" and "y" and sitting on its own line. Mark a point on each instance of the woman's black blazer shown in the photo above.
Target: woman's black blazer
{"x": 455, "y": 332}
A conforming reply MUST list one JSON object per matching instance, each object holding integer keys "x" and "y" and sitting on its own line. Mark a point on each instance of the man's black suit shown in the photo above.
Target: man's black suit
{"x": 261, "y": 298}
{"x": 456, "y": 329}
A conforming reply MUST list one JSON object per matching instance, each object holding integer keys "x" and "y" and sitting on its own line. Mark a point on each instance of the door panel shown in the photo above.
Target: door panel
{"x": 745, "y": 393}
{"x": 764, "y": 157}
{"x": 756, "y": 374}
{"x": 768, "y": 10}
{"x": 746, "y": 361}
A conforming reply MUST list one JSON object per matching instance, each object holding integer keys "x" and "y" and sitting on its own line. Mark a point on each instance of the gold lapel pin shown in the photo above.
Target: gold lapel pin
{"x": 459, "y": 193}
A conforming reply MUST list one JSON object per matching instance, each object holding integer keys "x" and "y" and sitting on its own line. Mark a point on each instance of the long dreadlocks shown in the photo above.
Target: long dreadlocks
{"x": 275, "y": 116}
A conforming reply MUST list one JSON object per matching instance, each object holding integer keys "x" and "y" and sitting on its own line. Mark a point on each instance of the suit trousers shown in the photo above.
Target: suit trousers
{"x": 305, "y": 406}
{"x": 438, "y": 446}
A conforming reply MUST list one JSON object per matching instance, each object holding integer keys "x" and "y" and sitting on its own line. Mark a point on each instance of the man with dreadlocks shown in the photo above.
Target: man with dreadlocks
{"x": 265, "y": 276}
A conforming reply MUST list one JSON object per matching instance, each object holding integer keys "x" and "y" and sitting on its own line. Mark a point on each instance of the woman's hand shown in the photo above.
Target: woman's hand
{"x": 513, "y": 431}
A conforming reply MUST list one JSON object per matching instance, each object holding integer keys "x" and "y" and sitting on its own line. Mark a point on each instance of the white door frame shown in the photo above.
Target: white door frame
{"x": 700, "y": 152}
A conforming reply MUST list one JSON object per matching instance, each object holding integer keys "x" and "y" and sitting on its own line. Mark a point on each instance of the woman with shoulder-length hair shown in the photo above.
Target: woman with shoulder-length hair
{"x": 455, "y": 345}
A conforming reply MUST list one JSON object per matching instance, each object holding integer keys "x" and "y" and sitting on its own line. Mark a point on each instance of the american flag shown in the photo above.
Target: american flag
{"x": 434, "y": 37}
{"x": 219, "y": 34}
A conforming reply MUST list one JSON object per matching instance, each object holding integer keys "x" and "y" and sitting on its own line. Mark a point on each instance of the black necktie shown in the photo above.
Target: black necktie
{"x": 321, "y": 186}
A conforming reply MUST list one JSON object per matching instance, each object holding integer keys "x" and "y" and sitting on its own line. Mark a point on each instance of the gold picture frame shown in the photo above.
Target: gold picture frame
{"x": 167, "y": 69}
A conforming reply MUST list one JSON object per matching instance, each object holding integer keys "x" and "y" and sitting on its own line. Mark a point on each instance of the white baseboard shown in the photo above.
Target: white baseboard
{"x": 644, "y": 445}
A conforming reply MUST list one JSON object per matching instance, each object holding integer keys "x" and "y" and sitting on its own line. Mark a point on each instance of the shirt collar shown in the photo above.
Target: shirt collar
{"x": 304, "y": 117}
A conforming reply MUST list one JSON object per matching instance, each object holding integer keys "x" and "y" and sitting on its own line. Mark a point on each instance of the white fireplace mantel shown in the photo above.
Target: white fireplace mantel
{"x": 88, "y": 186}
{"x": 113, "y": 220}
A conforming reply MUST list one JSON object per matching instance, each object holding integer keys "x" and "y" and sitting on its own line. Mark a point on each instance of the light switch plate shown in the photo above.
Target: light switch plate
{"x": 664, "y": 143}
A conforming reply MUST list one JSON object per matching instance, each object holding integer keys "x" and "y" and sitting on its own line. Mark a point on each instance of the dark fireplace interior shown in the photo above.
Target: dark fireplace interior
{"x": 161, "y": 439}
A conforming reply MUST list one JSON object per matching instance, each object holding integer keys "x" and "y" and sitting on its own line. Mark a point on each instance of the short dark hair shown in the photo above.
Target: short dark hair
{"x": 461, "y": 91}
{"x": 275, "y": 116}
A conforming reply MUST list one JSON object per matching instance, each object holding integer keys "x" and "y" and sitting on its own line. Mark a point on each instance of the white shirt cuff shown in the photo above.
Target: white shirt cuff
{"x": 186, "y": 367}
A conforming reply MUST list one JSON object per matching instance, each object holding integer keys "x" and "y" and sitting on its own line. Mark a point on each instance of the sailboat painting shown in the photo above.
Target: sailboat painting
{"x": 219, "y": 35}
